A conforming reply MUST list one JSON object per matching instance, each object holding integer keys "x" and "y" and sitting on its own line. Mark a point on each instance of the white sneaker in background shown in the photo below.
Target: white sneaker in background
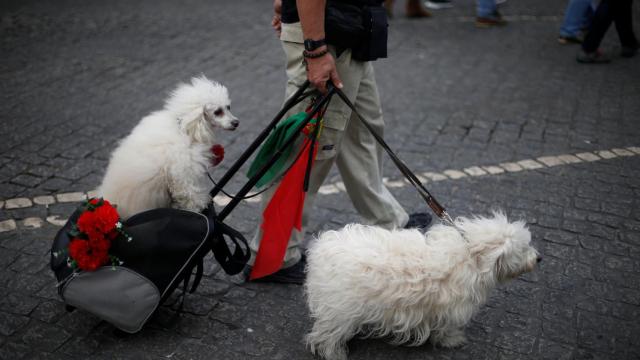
{"x": 438, "y": 4}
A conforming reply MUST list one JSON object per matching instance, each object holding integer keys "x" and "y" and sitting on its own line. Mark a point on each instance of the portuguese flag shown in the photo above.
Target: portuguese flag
{"x": 284, "y": 211}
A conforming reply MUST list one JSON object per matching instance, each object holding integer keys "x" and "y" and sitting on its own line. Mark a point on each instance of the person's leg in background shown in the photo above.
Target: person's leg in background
{"x": 576, "y": 18}
{"x": 602, "y": 19}
{"x": 413, "y": 8}
{"x": 487, "y": 14}
{"x": 623, "y": 18}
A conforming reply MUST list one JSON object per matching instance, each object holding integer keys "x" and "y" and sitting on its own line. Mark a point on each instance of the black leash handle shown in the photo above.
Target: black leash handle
{"x": 296, "y": 98}
{"x": 431, "y": 201}
{"x": 263, "y": 170}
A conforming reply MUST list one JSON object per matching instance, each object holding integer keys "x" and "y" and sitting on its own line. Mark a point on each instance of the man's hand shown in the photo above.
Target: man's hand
{"x": 275, "y": 21}
{"x": 322, "y": 69}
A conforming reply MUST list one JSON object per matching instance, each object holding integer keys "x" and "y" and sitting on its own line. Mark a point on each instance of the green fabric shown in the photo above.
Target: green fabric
{"x": 283, "y": 132}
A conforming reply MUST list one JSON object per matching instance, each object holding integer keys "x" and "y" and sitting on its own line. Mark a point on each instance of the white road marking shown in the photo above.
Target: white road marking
{"x": 337, "y": 187}
{"x": 7, "y": 225}
{"x": 32, "y": 222}
{"x": 17, "y": 203}
{"x": 71, "y": 197}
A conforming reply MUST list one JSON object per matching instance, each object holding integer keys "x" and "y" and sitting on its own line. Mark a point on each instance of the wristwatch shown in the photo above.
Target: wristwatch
{"x": 311, "y": 45}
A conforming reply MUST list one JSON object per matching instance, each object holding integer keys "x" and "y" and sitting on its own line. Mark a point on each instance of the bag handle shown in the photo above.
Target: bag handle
{"x": 231, "y": 263}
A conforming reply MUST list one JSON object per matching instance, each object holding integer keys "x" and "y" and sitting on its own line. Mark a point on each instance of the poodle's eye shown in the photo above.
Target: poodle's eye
{"x": 218, "y": 112}
{"x": 228, "y": 107}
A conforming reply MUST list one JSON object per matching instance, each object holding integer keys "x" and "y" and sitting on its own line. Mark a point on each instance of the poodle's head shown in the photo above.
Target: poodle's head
{"x": 200, "y": 107}
{"x": 500, "y": 247}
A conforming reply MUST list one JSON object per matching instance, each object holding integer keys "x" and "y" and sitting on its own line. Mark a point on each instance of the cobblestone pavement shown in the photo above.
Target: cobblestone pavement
{"x": 521, "y": 124}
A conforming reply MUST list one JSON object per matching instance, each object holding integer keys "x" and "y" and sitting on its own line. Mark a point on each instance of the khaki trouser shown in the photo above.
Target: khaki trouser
{"x": 343, "y": 140}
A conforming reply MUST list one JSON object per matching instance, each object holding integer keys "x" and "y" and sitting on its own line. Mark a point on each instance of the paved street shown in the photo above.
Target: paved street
{"x": 490, "y": 118}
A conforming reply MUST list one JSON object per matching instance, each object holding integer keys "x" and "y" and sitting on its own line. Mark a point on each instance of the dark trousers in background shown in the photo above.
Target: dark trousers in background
{"x": 618, "y": 11}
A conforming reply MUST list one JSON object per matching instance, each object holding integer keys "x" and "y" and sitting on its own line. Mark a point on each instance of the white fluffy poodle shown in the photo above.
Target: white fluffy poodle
{"x": 406, "y": 285}
{"x": 164, "y": 161}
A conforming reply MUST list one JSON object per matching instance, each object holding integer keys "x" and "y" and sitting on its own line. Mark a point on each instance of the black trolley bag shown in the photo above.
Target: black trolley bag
{"x": 167, "y": 247}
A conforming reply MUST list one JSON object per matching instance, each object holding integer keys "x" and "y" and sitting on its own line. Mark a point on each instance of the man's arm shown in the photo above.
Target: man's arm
{"x": 276, "y": 21}
{"x": 323, "y": 68}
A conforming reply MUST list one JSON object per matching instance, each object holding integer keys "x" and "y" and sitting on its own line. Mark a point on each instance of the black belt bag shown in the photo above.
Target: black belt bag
{"x": 363, "y": 29}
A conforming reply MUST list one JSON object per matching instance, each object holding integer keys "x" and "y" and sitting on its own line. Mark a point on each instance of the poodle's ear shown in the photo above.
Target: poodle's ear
{"x": 195, "y": 126}
{"x": 208, "y": 112}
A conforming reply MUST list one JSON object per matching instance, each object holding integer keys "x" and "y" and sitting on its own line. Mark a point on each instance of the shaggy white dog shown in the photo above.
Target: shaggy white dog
{"x": 164, "y": 161}
{"x": 406, "y": 285}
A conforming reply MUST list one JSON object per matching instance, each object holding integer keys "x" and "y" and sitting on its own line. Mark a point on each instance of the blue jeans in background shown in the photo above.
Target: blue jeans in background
{"x": 486, "y": 8}
{"x": 577, "y": 16}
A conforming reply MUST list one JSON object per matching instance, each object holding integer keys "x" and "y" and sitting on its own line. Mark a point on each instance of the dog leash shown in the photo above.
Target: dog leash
{"x": 431, "y": 201}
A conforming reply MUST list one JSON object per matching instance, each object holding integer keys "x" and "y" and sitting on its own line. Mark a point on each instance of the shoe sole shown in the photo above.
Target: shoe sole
{"x": 487, "y": 26}
{"x": 565, "y": 41}
{"x": 593, "y": 62}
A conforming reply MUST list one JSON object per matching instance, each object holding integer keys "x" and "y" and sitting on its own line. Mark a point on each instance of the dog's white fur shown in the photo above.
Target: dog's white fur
{"x": 164, "y": 161}
{"x": 406, "y": 285}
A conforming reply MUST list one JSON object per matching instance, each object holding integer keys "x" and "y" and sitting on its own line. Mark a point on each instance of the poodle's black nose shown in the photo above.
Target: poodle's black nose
{"x": 539, "y": 258}
{"x": 235, "y": 123}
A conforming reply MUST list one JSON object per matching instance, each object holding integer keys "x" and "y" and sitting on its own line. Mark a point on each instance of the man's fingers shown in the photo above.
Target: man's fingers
{"x": 321, "y": 85}
{"x": 335, "y": 79}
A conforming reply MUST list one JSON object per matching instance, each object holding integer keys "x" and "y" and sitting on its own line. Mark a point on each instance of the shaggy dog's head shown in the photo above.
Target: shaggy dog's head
{"x": 200, "y": 107}
{"x": 500, "y": 247}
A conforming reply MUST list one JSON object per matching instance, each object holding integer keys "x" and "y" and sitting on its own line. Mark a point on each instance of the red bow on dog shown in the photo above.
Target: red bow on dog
{"x": 218, "y": 154}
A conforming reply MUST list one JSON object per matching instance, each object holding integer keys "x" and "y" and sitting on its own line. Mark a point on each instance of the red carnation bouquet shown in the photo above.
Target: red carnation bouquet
{"x": 91, "y": 236}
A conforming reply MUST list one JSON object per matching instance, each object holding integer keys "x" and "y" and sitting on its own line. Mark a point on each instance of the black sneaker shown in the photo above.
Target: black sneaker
{"x": 596, "y": 57}
{"x": 291, "y": 275}
{"x": 418, "y": 221}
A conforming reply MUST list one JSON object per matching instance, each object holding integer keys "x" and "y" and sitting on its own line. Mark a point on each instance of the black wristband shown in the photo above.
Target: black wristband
{"x": 310, "y": 55}
{"x": 311, "y": 45}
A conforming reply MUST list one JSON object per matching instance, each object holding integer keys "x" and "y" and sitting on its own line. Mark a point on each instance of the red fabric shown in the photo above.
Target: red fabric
{"x": 217, "y": 152}
{"x": 282, "y": 214}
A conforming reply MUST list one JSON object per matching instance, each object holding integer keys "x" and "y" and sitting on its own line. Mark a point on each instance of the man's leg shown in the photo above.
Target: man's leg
{"x": 601, "y": 21}
{"x": 328, "y": 143}
{"x": 360, "y": 160}
{"x": 296, "y": 75}
{"x": 575, "y": 16}
{"x": 622, "y": 13}
{"x": 485, "y": 8}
